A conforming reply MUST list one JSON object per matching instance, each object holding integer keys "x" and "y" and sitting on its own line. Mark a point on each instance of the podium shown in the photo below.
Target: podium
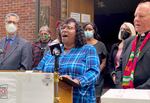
{"x": 65, "y": 92}
{"x": 23, "y": 87}
{"x": 126, "y": 96}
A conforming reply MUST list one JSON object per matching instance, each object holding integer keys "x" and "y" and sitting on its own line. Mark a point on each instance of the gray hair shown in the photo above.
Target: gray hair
{"x": 11, "y": 14}
{"x": 45, "y": 28}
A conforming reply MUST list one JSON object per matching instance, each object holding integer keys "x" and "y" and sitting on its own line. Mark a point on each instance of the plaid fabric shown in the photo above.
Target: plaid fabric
{"x": 37, "y": 53}
{"x": 80, "y": 63}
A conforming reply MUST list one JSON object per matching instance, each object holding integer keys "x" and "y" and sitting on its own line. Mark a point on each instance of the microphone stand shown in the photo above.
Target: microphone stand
{"x": 56, "y": 80}
{"x": 56, "y": 53}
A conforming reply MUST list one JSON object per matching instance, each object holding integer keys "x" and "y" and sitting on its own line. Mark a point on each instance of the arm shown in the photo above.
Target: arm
{"x": 103, "y": 57}
{"x": 36, "y": 53}
{"x": 111, "y": 65}
{"x": 93, "y": 65}
{"x": 118, "y": 75}
{"x": 120, "y": 69}
{"x": 26, "y": 59}
{"x": 102, "y": 52}
{"x": 103, "y": 64}
{"x": 41, "y": 65}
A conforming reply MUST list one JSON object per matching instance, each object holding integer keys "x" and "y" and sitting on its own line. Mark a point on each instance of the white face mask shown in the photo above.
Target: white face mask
{"x": 11, "y": 28}
{"x": 89, "y": 34}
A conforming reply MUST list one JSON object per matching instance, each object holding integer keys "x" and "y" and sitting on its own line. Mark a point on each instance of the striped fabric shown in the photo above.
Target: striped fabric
{"x": 37, "y": 53}
{"x": 128, "y": 75}
{"x": 80, "y": 63}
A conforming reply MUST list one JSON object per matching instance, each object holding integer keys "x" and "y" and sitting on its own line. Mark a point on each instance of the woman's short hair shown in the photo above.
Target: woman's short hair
{"x": 96, "y": 35}
{"x": 80, "y": 39}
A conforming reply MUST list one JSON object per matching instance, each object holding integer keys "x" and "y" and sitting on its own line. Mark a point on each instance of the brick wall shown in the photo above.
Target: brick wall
{"x": 26, "y": 9}
{"x": 55, "y": 14}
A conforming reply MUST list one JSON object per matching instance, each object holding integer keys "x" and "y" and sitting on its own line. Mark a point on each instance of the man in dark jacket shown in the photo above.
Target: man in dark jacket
{"x": 16, "y": 52}
{"x": 135, "y": 68}
{"x": 40, "y": 46}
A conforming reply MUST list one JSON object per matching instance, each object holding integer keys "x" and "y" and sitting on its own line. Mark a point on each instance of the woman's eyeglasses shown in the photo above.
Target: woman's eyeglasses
{"x": 67, "y": 27}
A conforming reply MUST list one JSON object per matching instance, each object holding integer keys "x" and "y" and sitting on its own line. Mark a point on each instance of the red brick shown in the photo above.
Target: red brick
{"x": 26, "y": 9}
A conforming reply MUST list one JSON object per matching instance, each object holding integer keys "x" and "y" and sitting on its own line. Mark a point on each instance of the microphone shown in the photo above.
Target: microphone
{"x": 55, "y": 47}
{"x": 56, "y": 51}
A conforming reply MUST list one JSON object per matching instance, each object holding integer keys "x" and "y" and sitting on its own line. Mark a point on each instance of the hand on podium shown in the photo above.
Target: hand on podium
{"x": 70, "y": 81}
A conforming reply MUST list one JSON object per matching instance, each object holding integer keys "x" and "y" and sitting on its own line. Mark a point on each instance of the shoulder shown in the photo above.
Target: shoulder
{"x": 36, "y": 43}
{"x": 127, "y": 44}
{"x": 3, "y": 39}
{"x": 100, "y": 47}
{"x": 115, "y": 46}
{"x": 88, "y": 48}
{"x": 100, "y": 43}
{"x": 22, "y": 40}
{"x": 129, "y": 40}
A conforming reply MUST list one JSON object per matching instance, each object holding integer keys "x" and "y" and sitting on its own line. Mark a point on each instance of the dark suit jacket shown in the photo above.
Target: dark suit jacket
{"x": 111, "y": 59}
{"x": 18, "y": 56}
{"x": 142, "y": 70}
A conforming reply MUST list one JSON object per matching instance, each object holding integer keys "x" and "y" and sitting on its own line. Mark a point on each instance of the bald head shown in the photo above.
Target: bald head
{"x": 142, "y": 17}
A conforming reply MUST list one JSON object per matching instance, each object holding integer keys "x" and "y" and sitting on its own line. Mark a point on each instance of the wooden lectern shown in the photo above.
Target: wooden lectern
{"x": 28, "y": 87}
{"x": 65, "y": 92}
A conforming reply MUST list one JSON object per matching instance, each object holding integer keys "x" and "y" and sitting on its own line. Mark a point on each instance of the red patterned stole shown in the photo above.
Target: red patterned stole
{"x": 128, "y": 75}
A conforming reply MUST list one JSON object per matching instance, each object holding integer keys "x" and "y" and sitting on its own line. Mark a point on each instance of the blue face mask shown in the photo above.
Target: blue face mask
{"x": 88, "y": 34}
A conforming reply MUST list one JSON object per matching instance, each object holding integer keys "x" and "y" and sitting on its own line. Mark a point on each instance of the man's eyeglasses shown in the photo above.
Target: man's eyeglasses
{"x": 9, "y": 22}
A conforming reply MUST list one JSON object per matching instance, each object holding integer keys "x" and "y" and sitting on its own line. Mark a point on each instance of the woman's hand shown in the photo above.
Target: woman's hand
{"x": 69, "y": 77}
{"x": 66, "y": 76}
{"x": 76, "y": 81}
{"x": 114, "y": 78}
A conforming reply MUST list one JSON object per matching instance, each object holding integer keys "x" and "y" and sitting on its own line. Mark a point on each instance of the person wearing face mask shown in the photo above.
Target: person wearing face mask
{"x": 126, "y": 30}
{"x": 78, "y": 62}
{"x": 17, "y": 52}
{"x": 40, "y": 46}
{"x": 92, "y": 37}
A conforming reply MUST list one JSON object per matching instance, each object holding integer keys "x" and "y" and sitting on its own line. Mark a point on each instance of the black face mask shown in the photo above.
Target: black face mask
{"x": 125, "y": 35}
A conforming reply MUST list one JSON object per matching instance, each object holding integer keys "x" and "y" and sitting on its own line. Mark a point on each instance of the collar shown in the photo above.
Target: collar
{"x": 146, "y": 32}
{"x": 143, "y": 35}
{"x": 12, "y": 38}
